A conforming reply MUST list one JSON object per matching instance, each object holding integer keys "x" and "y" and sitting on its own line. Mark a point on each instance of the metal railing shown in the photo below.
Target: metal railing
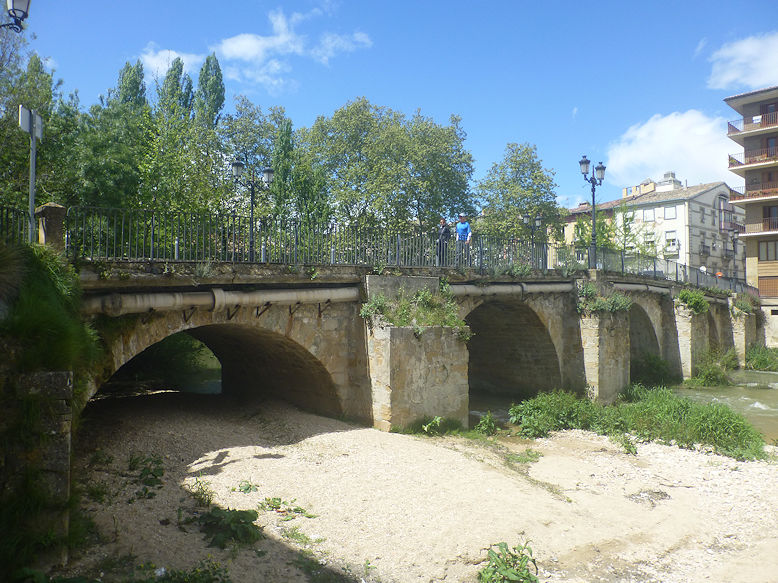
{"x": 753, "y": 156}
{"x": 759, "y": 190}
{"x": 762, "y": 225}
{"x": 14, "y": 225}
{"x": 756, "y": 122}
{"x": 126, "y": 235}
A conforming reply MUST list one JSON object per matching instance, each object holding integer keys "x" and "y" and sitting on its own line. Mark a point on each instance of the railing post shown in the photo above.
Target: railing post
{"x": 398, "y": 249}
{"x": 481, "y": 254}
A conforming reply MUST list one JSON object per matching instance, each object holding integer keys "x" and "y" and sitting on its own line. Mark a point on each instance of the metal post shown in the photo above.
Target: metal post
{"x": 251, "y": 220}
{"x": 593, "y": 256}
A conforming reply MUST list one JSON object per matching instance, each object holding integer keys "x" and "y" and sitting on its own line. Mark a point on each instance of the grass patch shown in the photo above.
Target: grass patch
{"x": 762, "y": 358}
{"x": 289, "y": 510}
{"x": 202, "y": 492}
{"x": 648, "y": 414}
{"x": 713, "y": 367}
{"x": 694, "y": 299}
{"x": 651, "y": 370}
{"x": 432, "y": 426}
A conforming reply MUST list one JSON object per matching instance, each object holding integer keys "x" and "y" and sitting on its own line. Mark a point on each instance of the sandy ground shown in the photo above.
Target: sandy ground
{"x": 397, "y": 508}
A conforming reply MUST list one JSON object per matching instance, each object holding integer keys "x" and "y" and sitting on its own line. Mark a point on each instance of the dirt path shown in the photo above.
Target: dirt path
{"x": 392, "y": 507}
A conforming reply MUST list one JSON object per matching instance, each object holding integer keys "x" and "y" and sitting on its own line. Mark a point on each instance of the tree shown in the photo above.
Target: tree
{"x": 384, "y": 169}
{"x": 518, "y": 186}
{"x": 605, "y": 233}
{"x": 209, "y": 97}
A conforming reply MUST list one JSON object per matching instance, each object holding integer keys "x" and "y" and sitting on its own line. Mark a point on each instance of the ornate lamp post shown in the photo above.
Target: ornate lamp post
{"x": 533, "y": 224}
{"x": 17, "y": 10}
{"x": 251, "y": 183}
{"x": 596, "y": 180}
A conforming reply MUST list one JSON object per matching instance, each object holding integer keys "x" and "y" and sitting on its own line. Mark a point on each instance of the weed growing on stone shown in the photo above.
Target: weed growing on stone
{"x": 288, "y": 510}
{"x": 223, "y": 526}
{"x": 294, "y": 534}
{"x": 762, "y": 358}
{"x": 202, "y": 492}
{"x": 506, "y": 564}
{"x": 150, "y": 472}
{"x": 245, "y": 487}
{"x": 694, "y": 299}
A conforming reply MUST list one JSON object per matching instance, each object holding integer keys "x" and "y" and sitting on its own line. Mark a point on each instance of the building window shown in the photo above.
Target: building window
{"x": 702, "y": 215}
{"x": 669, "y": 212}
{"x": 648, "y": 214}
{"x": 767, "y": 250}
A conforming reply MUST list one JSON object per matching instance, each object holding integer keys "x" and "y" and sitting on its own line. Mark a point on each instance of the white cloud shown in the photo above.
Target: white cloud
{"x": 575, "y": 112}
{"x": 751, "y": 62}
{"x": 692, "y": 144}
{"x": 332, "y": 44}
{"x": 156, "y": 62}
{"x": 266, "y": 60}
{"x": 700, "y": 46}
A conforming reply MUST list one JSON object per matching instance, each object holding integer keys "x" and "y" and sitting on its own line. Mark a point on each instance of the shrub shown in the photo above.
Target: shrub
{"x": 694, "y": 299}
{"x": 713, "y": 367}
{"x": 421, "y": 309}
{"x": 761, "y": 358}
{"x": 486, "y": 424}
{"x": 509, "y": 564}
{"x": 648, "y": 414}
{"x": 589, "y": 301}
{"x": 223, "y": 526}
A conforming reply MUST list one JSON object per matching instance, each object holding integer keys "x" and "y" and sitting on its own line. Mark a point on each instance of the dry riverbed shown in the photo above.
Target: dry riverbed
{"x": 396, "y": 508}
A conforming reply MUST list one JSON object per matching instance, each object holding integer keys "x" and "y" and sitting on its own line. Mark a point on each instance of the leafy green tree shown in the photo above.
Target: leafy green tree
{"x": 386, "y": 170}
{"x": 605, "y": 234}
{"x": 209, "y": 97}
{"x": 519, "y": 186}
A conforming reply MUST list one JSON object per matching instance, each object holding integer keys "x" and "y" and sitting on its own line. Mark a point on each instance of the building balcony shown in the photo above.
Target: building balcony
{"x": 754, "y": 192}
{"x": 762, "y": 226}
{"x": 740, "y": 129}
{"x": 750, "y": 159}
{"x": 704, "y": 249}
{"x": 729, "y": 253}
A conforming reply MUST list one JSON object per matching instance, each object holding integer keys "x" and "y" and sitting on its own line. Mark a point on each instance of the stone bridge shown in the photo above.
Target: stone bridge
{"x": 297, "y": 335}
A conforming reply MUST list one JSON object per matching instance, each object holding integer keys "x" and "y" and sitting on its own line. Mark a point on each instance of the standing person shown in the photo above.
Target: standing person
{"x": 444, "y": 234}
{"x": 464, "y": 234}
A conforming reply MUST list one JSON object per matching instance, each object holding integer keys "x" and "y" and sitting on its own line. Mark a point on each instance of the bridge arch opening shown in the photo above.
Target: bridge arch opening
{"x": 512, "y": 355}
{"x": 259, "y": 364}
{"x": 644, "y": 350}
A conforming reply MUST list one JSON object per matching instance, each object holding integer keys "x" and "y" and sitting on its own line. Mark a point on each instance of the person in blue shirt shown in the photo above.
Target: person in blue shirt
{"x": 464, "y": 234}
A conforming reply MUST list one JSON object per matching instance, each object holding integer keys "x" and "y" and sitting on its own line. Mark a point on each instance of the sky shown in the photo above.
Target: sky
{"x": 636, "y": 85}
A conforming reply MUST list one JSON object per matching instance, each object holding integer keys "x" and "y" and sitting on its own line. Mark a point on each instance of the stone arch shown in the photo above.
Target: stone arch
{"x": 511, "y": 352}
{"x": 281, "y": 352}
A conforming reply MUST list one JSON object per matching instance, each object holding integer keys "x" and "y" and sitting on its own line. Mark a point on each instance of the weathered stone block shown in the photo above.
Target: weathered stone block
{"x": 390, "y": 286}
{"x": 417, "y": 376}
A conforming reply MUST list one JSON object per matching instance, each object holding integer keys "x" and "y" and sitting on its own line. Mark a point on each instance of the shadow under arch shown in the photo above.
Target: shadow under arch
{"x": 714, "y": 343}
{"x": 643, "y": 341}
{"x": 511, "y": 351}
{"x": 258, "y": 363}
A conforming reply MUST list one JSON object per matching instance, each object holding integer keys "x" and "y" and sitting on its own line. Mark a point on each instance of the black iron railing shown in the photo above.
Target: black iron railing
{"x": 115, "y": 234}
{"x": 14, "y": 225}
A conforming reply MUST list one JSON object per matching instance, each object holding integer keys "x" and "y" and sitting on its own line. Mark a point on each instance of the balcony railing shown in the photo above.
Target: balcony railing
{"x": 753, "y": 157}
{"x": 704, "y": 249}
{"x": 756, "y": 122}
{"x": 763, "y": 225}
{"x": 763, "y": 189}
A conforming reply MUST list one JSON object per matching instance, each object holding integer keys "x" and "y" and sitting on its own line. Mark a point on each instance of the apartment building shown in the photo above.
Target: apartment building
{"x": 756, "y": 131}
{"x": 693, "y": 225}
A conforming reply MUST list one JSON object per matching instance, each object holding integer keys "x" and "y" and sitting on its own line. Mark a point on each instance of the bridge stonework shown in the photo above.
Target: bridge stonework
{"x": 307, "y": 343}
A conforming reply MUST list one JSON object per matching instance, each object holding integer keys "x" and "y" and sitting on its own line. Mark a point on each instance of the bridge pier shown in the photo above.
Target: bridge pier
{"x": 606, "y": 355}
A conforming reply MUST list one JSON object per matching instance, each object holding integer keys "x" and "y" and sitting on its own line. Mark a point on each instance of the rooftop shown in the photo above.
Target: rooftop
{"x": 737, "y": 102}
{"x": 650, "y": 197}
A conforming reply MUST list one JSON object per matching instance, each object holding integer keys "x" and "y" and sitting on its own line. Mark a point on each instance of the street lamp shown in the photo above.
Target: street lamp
{"x": 532, "y": 224}
{"x": 251, "y": 183}
{"x": 734, "y": 233}
{"x": 595, "y": 180}
{"x": 17, "y": 10}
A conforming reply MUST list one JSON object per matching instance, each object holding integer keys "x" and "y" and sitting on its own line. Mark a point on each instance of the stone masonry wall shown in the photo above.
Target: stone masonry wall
{"x": 605, "y": 340}
{"x": 413, "y": 377}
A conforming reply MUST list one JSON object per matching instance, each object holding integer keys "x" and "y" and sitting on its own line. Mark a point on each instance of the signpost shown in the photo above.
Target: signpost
{"x": 31, "y": 123}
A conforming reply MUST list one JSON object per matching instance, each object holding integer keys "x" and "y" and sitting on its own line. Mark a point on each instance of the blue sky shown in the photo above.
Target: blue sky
{"x": 638, "y": 85}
